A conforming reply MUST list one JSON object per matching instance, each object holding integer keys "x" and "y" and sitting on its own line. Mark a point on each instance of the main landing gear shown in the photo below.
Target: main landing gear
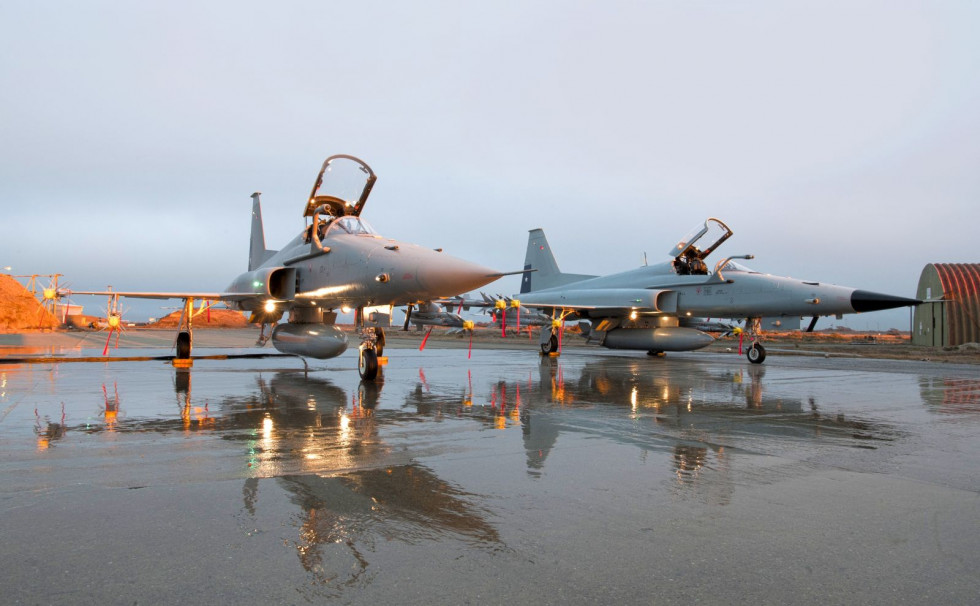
{"x": 549, "y": 345}
{"x": 551, "y": 337}
{"x": 756, "y": 353}
{"x": 183, "y": 345}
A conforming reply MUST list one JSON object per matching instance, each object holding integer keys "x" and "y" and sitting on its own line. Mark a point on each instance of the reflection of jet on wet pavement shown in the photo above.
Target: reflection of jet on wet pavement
{"x": 321, "y": 445}
{"x": 343, "y": 515}
{"x": 353, "y": 497}
{"x": 683, "y": 409}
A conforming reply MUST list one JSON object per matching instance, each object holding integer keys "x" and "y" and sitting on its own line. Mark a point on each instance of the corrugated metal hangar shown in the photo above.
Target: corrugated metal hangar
{"x": 950, "y": 314}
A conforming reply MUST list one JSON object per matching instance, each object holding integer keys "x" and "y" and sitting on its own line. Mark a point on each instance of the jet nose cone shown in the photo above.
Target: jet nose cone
{"x": 448, "y": 276}
{"x": 865, "y": 300}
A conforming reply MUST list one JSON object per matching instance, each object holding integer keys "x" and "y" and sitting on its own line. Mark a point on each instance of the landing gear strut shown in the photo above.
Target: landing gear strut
{"x": 263, "y": 339}
{"x": 185, "y": 337}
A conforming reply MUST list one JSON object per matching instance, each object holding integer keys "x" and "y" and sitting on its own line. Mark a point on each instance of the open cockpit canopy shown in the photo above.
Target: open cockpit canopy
{"x": 689, "y": 254}
{"x": 702, "y": 240}
{"x": 342, "y": 187}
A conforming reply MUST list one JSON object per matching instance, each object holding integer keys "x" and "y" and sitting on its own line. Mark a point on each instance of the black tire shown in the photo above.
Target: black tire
{"x": 183, "y": 345}
{"x": 551, "y": 346}
{"x": 367, "y": 364}
{"x": 756, "y": 354}
{"x": 656, "y": 353}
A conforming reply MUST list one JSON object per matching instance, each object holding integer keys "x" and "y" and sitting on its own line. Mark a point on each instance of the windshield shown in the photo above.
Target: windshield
{"x": 354, "y": 226}
{"x": 733, "y": 266}
{"x": 342, "y": 186}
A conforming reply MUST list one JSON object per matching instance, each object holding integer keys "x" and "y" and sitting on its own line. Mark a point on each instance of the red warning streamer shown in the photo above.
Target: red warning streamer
{"x": 424, "y": 339}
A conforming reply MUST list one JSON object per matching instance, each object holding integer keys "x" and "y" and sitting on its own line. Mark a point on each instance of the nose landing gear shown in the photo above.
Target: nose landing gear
{"x": 372, "y": 347}
{"x": 756, "y": 353}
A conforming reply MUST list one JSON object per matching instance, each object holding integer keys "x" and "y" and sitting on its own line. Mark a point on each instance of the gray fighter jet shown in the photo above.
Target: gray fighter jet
{"x": 646, "y": 308}
{"x": 505, "y": 312}
{"x": 429, "y": 313}
{"x": 338, "y": 261}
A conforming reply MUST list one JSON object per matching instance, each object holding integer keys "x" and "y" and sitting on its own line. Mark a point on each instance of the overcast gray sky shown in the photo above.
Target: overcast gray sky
{"x": 839, "y": 140}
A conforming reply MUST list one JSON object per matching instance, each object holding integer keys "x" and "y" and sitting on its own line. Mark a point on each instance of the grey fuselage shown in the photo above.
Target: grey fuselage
{"x": 649, "y": 307}
{"x": 739, "y": 294}
{"x": 359, "y": 270}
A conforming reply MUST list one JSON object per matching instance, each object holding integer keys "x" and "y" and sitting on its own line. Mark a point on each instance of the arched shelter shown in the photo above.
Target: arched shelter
{"x": 950, "y": 314}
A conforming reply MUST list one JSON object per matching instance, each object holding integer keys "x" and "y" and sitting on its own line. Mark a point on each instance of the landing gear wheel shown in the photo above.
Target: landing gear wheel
{"x": 756, "y": 354}
{"x": 183, "y": 345}
{"x": 551, "y": 346}
{"x": 367, "y": 364}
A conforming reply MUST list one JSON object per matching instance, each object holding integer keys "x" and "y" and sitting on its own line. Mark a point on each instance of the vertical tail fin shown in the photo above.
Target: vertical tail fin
{"x": 257, "y": 252}
{"x": 540, "y": 263}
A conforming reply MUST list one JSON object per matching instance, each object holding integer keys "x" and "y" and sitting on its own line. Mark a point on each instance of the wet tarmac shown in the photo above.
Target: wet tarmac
{"x": 598, "y": 477}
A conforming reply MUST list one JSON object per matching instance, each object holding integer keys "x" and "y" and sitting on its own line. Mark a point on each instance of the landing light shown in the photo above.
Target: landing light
{"x": 633, "y": 315}
{"x": 345, "y": 309}
{"x": 270, "y": 306}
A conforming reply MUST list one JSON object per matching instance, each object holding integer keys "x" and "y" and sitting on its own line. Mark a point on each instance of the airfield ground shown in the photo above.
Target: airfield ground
{"x": 505, "y": 477}
{"x": 854, "y": 345}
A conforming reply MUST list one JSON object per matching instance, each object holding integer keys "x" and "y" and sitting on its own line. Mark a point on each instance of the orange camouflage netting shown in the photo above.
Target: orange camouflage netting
{"x": 20, "y": 310}
{"x": 219, "y": 318}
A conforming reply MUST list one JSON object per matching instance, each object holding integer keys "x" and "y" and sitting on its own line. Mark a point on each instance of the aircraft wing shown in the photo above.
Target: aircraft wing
{"x": 210, "y": 296}
{"x": 611, "y": 300}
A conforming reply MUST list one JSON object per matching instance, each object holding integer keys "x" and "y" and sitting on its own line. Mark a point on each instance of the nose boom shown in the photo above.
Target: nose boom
{"x": 865, "y": 300}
